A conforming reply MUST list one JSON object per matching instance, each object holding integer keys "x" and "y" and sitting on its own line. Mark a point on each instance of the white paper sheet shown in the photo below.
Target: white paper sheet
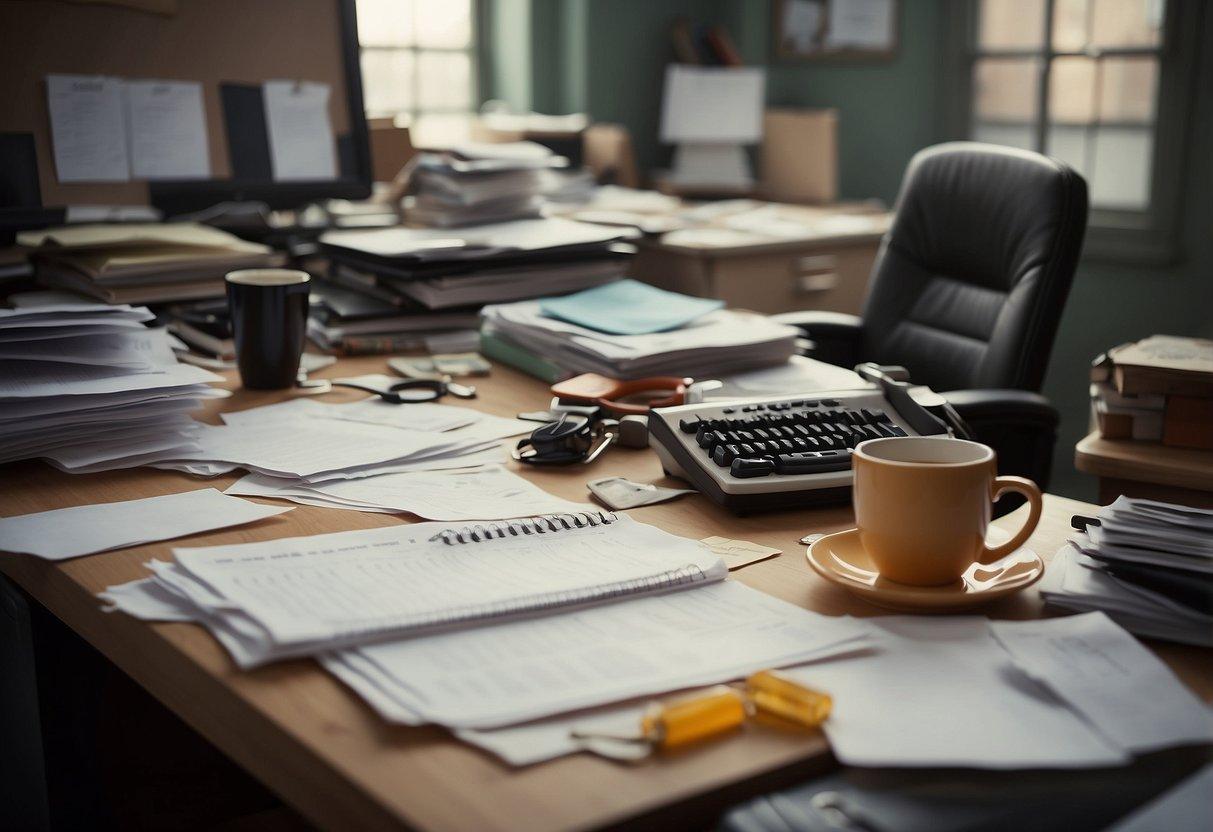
{"x": 428, "y": 416}
{"x": 581, "y": 658}
{"x": 88, "y": 128}
{"x": 1122, "y": 688}
{"x": 168, "y": 137}
{"x": 82, "y": 530}
{"x": 942, "y": 692}
{"x": 867, "y": 24}
{"x": 488, "y": 493}
{"x": 302, "y": 146}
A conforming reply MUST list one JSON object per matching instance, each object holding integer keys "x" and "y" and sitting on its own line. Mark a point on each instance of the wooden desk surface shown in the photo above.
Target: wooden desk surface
{"x": 312, "y": 741}
{"x": 1150, "y": 462}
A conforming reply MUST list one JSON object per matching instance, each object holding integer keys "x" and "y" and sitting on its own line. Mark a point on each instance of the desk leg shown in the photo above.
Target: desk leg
{"x": 23, "y": 789}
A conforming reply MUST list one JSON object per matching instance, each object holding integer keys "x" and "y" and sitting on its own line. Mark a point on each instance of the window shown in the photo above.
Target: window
{"x": 1100, "y": 84}
{"x": 418, "y": 58}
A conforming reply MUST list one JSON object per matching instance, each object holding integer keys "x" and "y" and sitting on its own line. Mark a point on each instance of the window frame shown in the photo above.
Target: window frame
{"x": 1148, "y": 236}
{"x": 476, "y": 54}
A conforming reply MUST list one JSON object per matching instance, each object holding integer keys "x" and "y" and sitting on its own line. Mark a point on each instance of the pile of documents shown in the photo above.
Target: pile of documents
{"x": 141, "y": 263}
{"x": 629, "y": 330}
{"x": 346, "y": 320}
{"x": 481, "y": 183}
{"x": 425, "y": 620}
{"x": 1148, "y": 565}
{"x": 90, "y": 388}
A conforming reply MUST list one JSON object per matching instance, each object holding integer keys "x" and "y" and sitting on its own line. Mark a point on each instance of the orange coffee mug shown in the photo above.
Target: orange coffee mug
{"x": 923, "y": 505}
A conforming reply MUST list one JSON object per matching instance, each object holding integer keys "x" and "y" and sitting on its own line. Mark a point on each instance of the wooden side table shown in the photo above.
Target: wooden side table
{"x": 1146, "y": 469}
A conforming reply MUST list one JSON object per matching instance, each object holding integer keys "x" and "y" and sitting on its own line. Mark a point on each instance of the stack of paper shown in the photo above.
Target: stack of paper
{"x": 90, "y": 388}
{"x": 425, "y": 621}
{"x": 481, "y": 183}
{"x": 134, "y": 263}
{"x": 1148, "y": 565}
{"x": 720, "y": 342}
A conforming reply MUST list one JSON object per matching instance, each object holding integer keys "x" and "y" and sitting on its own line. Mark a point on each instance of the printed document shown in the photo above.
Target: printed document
{"x": 82, "y": 530}
{"x": 302, "y": 146}
{"x": 168, "y": 135}
{"x": 88, "y": 128}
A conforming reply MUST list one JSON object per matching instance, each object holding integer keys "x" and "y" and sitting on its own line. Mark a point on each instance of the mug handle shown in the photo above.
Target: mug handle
{"x": 1029, "y": 490}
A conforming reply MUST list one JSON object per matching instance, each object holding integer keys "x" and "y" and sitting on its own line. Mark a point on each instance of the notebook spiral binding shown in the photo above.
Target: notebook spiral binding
{"x": 543, "y": 524}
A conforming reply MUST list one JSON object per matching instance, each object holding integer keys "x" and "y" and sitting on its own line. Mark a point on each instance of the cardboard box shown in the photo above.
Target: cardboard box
{"x": 799, "y": 155}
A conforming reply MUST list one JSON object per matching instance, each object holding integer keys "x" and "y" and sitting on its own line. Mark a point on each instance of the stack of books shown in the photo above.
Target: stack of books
{"x": 141, "y": 263}
{"x": 1147, "y": 564}
{"x": 481, "y": 183}
{"x": 1159, "y": 389}
{"x": 387, "y": 289}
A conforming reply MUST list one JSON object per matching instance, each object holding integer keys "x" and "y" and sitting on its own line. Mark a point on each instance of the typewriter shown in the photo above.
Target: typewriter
{"x": 757, "y": 454}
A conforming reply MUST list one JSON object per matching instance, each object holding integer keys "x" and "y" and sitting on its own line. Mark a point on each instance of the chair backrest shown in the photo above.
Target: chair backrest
{"x": 970, "y": 281}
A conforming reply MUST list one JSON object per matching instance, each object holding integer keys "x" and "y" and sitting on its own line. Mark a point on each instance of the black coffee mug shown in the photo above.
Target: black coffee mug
{"x": 269, "y": 322}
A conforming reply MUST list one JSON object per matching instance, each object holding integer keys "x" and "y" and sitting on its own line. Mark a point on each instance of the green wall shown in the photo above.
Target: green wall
{"x": 606, "y": 57}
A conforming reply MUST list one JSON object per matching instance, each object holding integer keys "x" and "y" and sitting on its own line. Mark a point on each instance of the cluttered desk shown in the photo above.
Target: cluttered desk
{"x": 437, "y": 512}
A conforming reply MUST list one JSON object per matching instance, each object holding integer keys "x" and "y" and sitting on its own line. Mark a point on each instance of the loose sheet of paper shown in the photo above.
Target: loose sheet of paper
{"x": 739, "y": 553}
{"x": 1122, "y": 688}
{"x": 580, "y": 658}
{"x": 88, "y": 128}
{"x": 82, "y": 530}
{"x": 617, "y": 493}
{"x": 942, "y": 692}
{"x": 488, "y": 493}
{"x": 168, "y": 137}
{"x": 302, "y": 147}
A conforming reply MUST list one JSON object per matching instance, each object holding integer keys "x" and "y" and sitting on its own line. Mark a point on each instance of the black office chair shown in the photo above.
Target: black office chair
{"x": 967, "y": 291}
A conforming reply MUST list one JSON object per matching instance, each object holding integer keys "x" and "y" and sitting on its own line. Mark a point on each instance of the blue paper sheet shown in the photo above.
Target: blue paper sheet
{"x": 628, "y": 307}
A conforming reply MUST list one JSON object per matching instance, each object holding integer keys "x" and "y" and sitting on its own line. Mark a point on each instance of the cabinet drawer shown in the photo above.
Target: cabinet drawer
{"x": 835, "y": 280}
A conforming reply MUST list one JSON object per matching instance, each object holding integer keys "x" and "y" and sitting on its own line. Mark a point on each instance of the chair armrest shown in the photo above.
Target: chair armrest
{"x": 1020, "y": 426}
{"x": 834, "y": 335}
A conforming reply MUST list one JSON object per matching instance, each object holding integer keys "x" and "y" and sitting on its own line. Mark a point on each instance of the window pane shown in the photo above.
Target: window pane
{"x": 1073, "y": 145}
{"x": 445, "y": 81}
{"x": 1010, "y": 24}
{"x": 1072, "y": 91}
{"x": 1127, "y": 89}
{"x": 385, "y": 22}
{"x": 1126, "y": 22}
{"x": 444, "y": 24}
{"x": 1022, "y": 137}
{"x": 1005, "y": 89}
{"x": 1070, "y": 24}
{"x": 387, "y": 81}
{"x": 1121, "y": 162}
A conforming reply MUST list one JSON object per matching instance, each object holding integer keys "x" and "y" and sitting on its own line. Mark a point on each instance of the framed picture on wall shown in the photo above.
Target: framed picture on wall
{"x": 826, "y": 30}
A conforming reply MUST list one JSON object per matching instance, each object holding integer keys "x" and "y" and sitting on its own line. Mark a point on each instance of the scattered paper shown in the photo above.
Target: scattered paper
{"x": 83, "y": 530}
{"x": 739, "y": 553}
{"x": 88, "y": 128}
{"x": 488, "y": 493}
{"x": 167, "y": 130}
{"x": 1105, "y": 674}
{"x": 941, "y": 692}
{"x": 302, "y": 147}
{"x": 617, "y": 493}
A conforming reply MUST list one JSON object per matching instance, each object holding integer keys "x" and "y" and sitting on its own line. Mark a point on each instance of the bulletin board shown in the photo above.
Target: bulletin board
{"x": 835, "y": 30}
{"x": 213, "y": 42}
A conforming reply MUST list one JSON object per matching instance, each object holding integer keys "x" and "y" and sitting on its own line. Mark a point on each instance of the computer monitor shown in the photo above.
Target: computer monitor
{"x": 230, "y": 48}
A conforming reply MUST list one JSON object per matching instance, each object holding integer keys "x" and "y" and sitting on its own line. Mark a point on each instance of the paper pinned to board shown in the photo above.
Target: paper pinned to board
{"x": 302, "y": 147}
{"x": 168, "y": 138}
{"x": 88, "y": 128}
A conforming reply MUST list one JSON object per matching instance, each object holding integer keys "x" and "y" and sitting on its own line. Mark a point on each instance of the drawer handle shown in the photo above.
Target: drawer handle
{"x": 816, "y": 263}
{"x": 807, "y": 284}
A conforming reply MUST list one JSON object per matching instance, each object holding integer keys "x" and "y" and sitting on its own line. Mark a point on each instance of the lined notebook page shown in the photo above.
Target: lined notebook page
{"x": 334, "y": 587}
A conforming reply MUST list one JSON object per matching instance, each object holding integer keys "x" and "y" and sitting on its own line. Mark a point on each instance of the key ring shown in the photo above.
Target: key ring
{"x": 571, "y": 439}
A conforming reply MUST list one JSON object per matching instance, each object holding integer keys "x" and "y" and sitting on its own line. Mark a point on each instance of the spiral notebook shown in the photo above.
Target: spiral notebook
{"x": 307, "y": 595}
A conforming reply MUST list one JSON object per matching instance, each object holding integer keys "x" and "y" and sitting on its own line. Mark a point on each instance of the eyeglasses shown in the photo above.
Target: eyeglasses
{"x": 410, "y": 391}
